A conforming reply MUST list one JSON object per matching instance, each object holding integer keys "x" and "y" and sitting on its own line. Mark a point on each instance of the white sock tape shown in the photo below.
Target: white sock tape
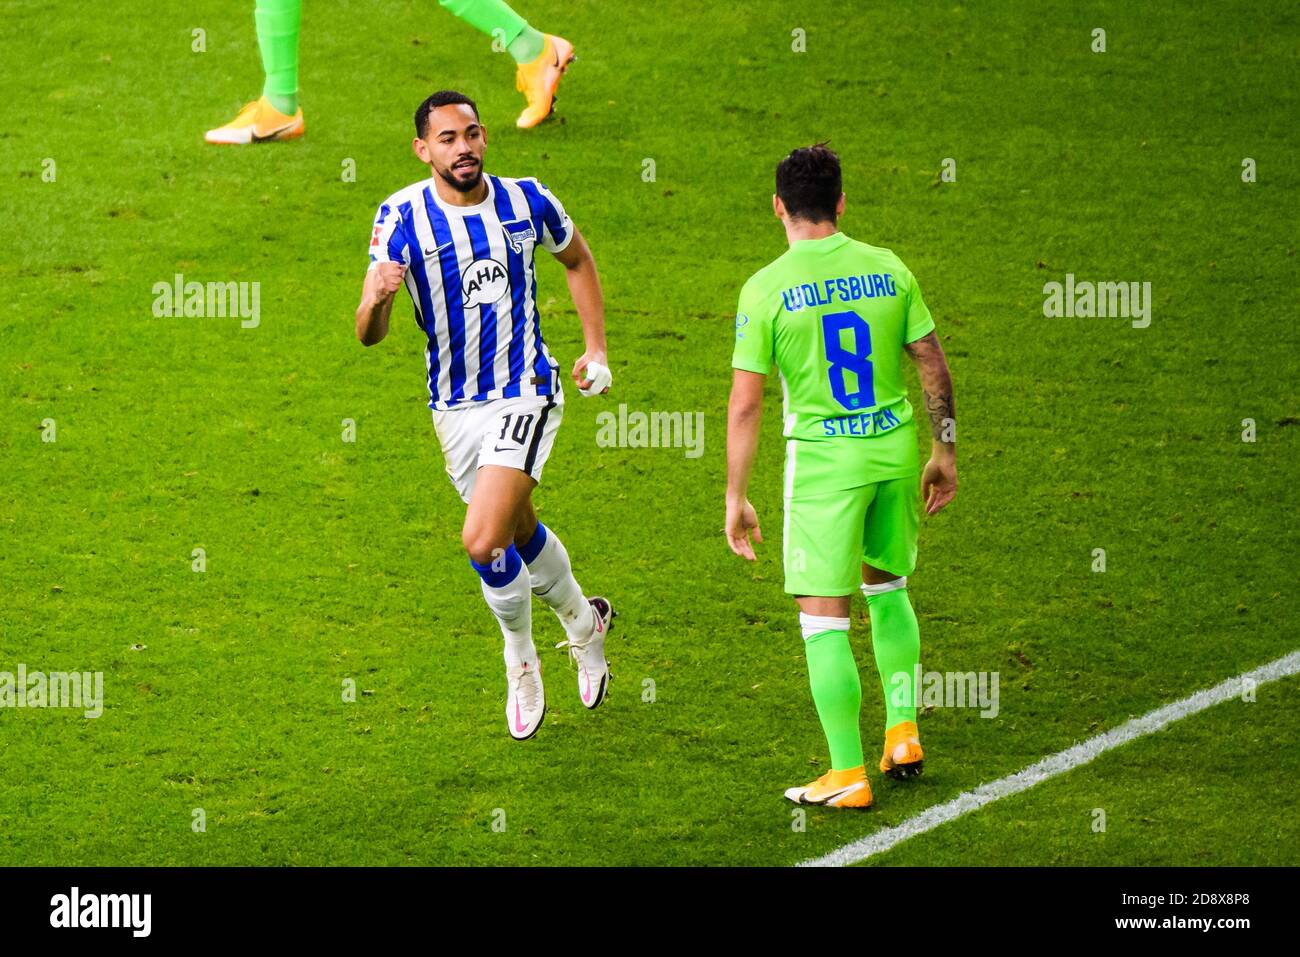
{"x": 816, "y": 624}
{"x": 896, "y": 584}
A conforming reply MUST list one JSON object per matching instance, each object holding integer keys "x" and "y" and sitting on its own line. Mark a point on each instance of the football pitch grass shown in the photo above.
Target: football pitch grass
{"x": 329, "y": 560}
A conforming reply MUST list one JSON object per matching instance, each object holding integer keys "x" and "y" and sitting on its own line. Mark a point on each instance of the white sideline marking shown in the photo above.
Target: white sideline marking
{"x": 1053, "y": 765}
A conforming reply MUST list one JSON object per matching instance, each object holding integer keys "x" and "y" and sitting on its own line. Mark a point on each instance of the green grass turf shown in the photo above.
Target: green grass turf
{"x": 329, "y": 560}
{"x": 1198, "y": 810}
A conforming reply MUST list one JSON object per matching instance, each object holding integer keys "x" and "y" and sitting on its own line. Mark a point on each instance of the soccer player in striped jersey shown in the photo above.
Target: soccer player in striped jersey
{"x": 462, "y": 242}
{"x": 836, "y": 316}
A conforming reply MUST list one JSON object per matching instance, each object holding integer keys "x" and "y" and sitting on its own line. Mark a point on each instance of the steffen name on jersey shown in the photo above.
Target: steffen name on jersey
{"x": 841, "y": 289}
{"x": 866, "y": 423}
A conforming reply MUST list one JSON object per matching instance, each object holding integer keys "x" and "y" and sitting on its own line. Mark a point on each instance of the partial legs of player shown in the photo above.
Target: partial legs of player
{"x": 488, "y": 536}
{"x": 586, "y": 621}
{"x": 540, "y": 58}
{"x": 837, "y": 688}
{"x": 276, "y": 114}
{"x": 837, "y": 694}
{"x": 516, "y": 556}
{"x": 896, "y": 641}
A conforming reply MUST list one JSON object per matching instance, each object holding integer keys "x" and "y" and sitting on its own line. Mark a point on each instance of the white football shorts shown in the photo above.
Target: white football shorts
{"x": 517, "y": 433}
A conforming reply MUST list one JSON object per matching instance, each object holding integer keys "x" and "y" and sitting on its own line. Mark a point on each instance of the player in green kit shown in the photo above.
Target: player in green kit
{"x": 835, "y": 316}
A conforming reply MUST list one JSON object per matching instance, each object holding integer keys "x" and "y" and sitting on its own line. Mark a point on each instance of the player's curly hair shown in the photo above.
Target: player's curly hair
{"x": 809, "y": 183}
{"x": 431, "y": 103}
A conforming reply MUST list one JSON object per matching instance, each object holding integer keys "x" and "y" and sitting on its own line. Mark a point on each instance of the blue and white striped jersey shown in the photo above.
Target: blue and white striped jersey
{"x": 471, "y": 279}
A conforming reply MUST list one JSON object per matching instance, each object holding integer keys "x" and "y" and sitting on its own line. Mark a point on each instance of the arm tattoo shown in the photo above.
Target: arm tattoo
{"x": 943, "y": 416}
{"x": 933, "y": 370}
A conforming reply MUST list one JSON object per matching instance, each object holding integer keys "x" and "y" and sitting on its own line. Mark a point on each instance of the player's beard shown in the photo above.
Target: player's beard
{"x": 462, "y": 185}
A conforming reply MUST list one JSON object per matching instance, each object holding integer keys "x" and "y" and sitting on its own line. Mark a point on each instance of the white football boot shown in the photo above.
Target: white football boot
{"x": 589, "y": 654}
{"x": 526, "y": 702}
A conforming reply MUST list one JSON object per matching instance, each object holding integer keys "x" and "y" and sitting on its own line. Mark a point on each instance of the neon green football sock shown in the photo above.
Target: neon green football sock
{"x": 278, "y": 23}
{"x": 896, "y": 640}
{"x": 837, "y": 693}
{"x": 528, "y": 46}
{"x": 497, "y": 19}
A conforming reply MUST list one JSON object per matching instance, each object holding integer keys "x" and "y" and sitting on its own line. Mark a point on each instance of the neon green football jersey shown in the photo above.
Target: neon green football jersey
{"x": 833, "y": 314}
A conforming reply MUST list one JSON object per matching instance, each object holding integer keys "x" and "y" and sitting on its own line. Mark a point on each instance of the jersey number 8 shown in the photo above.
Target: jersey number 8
{"x": 856, "y": 360}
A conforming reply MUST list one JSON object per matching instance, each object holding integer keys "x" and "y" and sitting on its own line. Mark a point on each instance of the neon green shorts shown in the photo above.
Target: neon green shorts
{"x": 828, "y": 534}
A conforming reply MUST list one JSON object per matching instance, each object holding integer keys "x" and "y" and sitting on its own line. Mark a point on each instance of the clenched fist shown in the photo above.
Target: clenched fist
{"x": 389, "y": 279}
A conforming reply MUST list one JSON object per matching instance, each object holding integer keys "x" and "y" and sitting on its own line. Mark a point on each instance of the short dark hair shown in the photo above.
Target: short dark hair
{"x": 431, "y": 103}
{"x": 809, "y": 183}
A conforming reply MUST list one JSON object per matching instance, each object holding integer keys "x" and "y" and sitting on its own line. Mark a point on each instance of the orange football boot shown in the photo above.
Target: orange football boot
{"x": 539, "y": 80}
{"x": 903, "y": 755}
{"x": 257, "y": 122}
{"x": 836, "y": 789}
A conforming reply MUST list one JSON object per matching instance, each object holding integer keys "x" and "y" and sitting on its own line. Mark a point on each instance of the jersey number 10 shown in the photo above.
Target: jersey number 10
{"x": 856, "y": 360}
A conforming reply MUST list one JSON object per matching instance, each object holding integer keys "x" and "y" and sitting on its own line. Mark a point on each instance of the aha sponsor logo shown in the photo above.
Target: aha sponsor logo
{"x": 484, "y": 283}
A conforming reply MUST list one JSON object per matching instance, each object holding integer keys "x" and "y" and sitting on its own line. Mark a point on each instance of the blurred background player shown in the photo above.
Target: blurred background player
{"x": 836, "y": 315}
{"x": 540, "y": 59}
{"x": 463, "y": 242}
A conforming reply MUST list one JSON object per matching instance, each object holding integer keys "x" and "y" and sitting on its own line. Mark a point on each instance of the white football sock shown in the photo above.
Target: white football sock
{"x": 551, "y": 578}
{"x": 512, "y": 603}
